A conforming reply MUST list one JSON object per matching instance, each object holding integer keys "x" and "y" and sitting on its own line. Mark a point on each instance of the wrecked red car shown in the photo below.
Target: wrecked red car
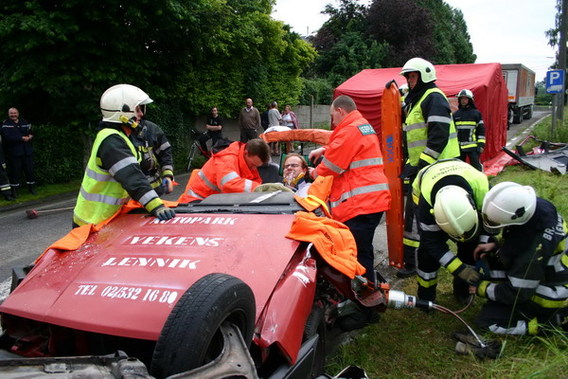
{"x": 218, "y": 291}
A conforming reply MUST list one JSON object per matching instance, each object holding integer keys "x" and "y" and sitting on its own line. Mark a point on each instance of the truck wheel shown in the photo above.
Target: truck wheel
{"x": 191, "y": 336}
{"x": 315, "y": 325}
{"x": 529, "y": 113}
{"x": 518, "y": 115}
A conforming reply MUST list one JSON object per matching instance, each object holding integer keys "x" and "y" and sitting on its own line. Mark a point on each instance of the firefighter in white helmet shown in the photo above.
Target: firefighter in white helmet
{"x": 429, "y": 135}
{"x": 113, "y": 174}
{"x": 449, "y": 195}
{"x": 526, "y": 279}
{"x": 471, "y": 129}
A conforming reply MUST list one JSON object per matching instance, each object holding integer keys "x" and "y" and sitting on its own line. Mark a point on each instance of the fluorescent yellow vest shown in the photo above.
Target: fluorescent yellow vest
{"x": 430, "y": 175}
{"x": 416, "y": 130}
{"x": 100, "y": 195}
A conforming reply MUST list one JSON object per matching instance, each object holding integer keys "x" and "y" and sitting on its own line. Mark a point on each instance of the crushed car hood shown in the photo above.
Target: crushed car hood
{"x": 126, "y": 278}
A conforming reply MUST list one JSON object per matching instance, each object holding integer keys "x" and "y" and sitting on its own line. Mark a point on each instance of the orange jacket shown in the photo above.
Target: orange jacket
{"x": 224, "y": 172}
{"x": 353, "y": 157}
{"x": 332, "y": 239}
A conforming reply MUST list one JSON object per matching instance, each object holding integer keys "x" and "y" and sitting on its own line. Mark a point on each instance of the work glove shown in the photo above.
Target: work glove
{"x": 467, "y": 343}
{"x": 469, "y": 274}
{"x": 168, "y": 185}
{"x": 164, "y": 213}
{"x": 272, "y": 187}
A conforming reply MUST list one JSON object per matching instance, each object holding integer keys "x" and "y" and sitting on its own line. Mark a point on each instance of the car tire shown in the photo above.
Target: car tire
{"x": 191, "y": 335}
{"x": 315, "y": 325}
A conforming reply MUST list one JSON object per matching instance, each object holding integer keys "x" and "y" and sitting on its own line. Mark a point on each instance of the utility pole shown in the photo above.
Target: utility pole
{"x": 562, "y": 57}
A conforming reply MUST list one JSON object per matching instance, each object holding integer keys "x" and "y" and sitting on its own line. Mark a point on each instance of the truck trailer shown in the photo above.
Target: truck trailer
{"x": 520, "y": 84}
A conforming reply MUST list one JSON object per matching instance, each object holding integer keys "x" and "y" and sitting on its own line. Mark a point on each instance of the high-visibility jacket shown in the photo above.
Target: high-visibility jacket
{"x": 433, "y": 240}
{"x": 224, "y": 172}
{"x": 353, "y": 157}
{"x": 423, "y": 136}
{"x": 470, "y": 127}
{"x": 432, "y": 174}
{"x": 100, "y": 195}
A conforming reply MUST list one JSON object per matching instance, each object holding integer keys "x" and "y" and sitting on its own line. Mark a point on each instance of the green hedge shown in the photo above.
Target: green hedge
{"x": 61, "y": 151}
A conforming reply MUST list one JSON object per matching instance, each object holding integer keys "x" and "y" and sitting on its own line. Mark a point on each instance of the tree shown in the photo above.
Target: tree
{"x": 188, "y": 55}
{"x": 387, "y": 34}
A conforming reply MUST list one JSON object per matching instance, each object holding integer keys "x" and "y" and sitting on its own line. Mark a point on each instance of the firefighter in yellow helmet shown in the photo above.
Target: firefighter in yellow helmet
{"x": 429, "y": 135}
{"x": 113, "y": 174}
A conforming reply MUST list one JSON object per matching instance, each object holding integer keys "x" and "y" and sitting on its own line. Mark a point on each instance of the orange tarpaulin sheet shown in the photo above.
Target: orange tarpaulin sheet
{"x": 319, "y": 136}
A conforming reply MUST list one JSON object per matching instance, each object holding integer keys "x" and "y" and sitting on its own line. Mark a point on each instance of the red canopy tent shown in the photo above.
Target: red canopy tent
{"x": 485, "y": 80}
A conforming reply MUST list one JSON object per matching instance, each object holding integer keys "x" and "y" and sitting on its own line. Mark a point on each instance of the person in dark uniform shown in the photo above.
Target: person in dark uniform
{"x": 16, "y": 137}
{"x": 156, "y": 153}
{"x": 471, "y": 129}
{"x": 4, "y": 182}
{"x": 526, "y": 274}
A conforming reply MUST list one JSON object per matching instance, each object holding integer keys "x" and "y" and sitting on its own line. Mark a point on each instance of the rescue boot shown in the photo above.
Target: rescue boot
{"x": 407, "y": 271}
{"x": 14, "y": 193}
{"x": 8, "y": 195}
{"x": 31, "y": 189}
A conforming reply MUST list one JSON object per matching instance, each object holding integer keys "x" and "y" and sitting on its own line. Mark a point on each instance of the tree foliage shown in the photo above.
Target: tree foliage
{"x": 388, "y": 33}
{"x": 188, "y": 55}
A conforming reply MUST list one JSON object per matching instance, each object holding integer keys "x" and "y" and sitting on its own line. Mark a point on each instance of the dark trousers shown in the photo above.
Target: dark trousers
{"x": 508, "y": 319}
{"x": 248, "y": 134}
{"x": 473, "y": 155}
{"x": 363, "y": 229}
{"x": 15, "y": 167}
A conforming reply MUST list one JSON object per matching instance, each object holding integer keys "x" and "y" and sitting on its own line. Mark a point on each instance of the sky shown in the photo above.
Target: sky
{"x": 501, "y": 31}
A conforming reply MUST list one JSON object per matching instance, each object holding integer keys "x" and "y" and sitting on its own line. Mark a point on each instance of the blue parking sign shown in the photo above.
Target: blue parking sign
{"x": 554, "y": 81}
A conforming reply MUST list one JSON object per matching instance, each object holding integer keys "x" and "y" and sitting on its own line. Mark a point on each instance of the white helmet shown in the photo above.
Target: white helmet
{"x": 120, "y": 101}
{"x": 425, "y": 68}
{"x": 508, "y": 203}
{"x": 455, "y": 213}
{"x": 465, "y": 93}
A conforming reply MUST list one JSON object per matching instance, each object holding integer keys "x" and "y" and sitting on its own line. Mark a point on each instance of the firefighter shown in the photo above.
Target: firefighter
{"x": 470, "y": 127}
{"x": 360, "y": 192}
{"x": 448, "y": 195}
{"x": 113, "y": 174}
{"x": 4, "y": 182}
{"x": 155, "y": 151}
{"x": 429, "y": 135}
{"x": 527, "y": 280}
{"x": 234, "y": 169}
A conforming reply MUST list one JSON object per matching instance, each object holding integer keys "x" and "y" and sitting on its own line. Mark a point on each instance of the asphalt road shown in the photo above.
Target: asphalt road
{"x": 23, "y": 239}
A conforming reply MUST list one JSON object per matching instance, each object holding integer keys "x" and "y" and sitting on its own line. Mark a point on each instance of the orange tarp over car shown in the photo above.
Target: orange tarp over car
{"x": 319, "y": 136}
{"x": 485, "y": 80}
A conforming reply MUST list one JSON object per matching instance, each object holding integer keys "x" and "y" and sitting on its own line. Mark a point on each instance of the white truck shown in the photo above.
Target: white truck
{"x": 520, "y": 84}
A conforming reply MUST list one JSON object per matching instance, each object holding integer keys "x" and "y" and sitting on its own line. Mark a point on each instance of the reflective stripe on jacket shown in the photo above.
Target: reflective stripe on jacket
{"x": 353, "y": 157}
{"x": 534, "y": 259}
{"x": 224, "y": 172}
{"x": 418, "y": 130}
{"x": 430, "y": 175}
{"x": 101, "y": 195}
{"x": 470, "y": 128}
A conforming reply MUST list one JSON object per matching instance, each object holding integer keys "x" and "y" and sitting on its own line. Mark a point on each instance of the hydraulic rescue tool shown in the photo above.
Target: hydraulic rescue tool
{"x": 467, "y": 342}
